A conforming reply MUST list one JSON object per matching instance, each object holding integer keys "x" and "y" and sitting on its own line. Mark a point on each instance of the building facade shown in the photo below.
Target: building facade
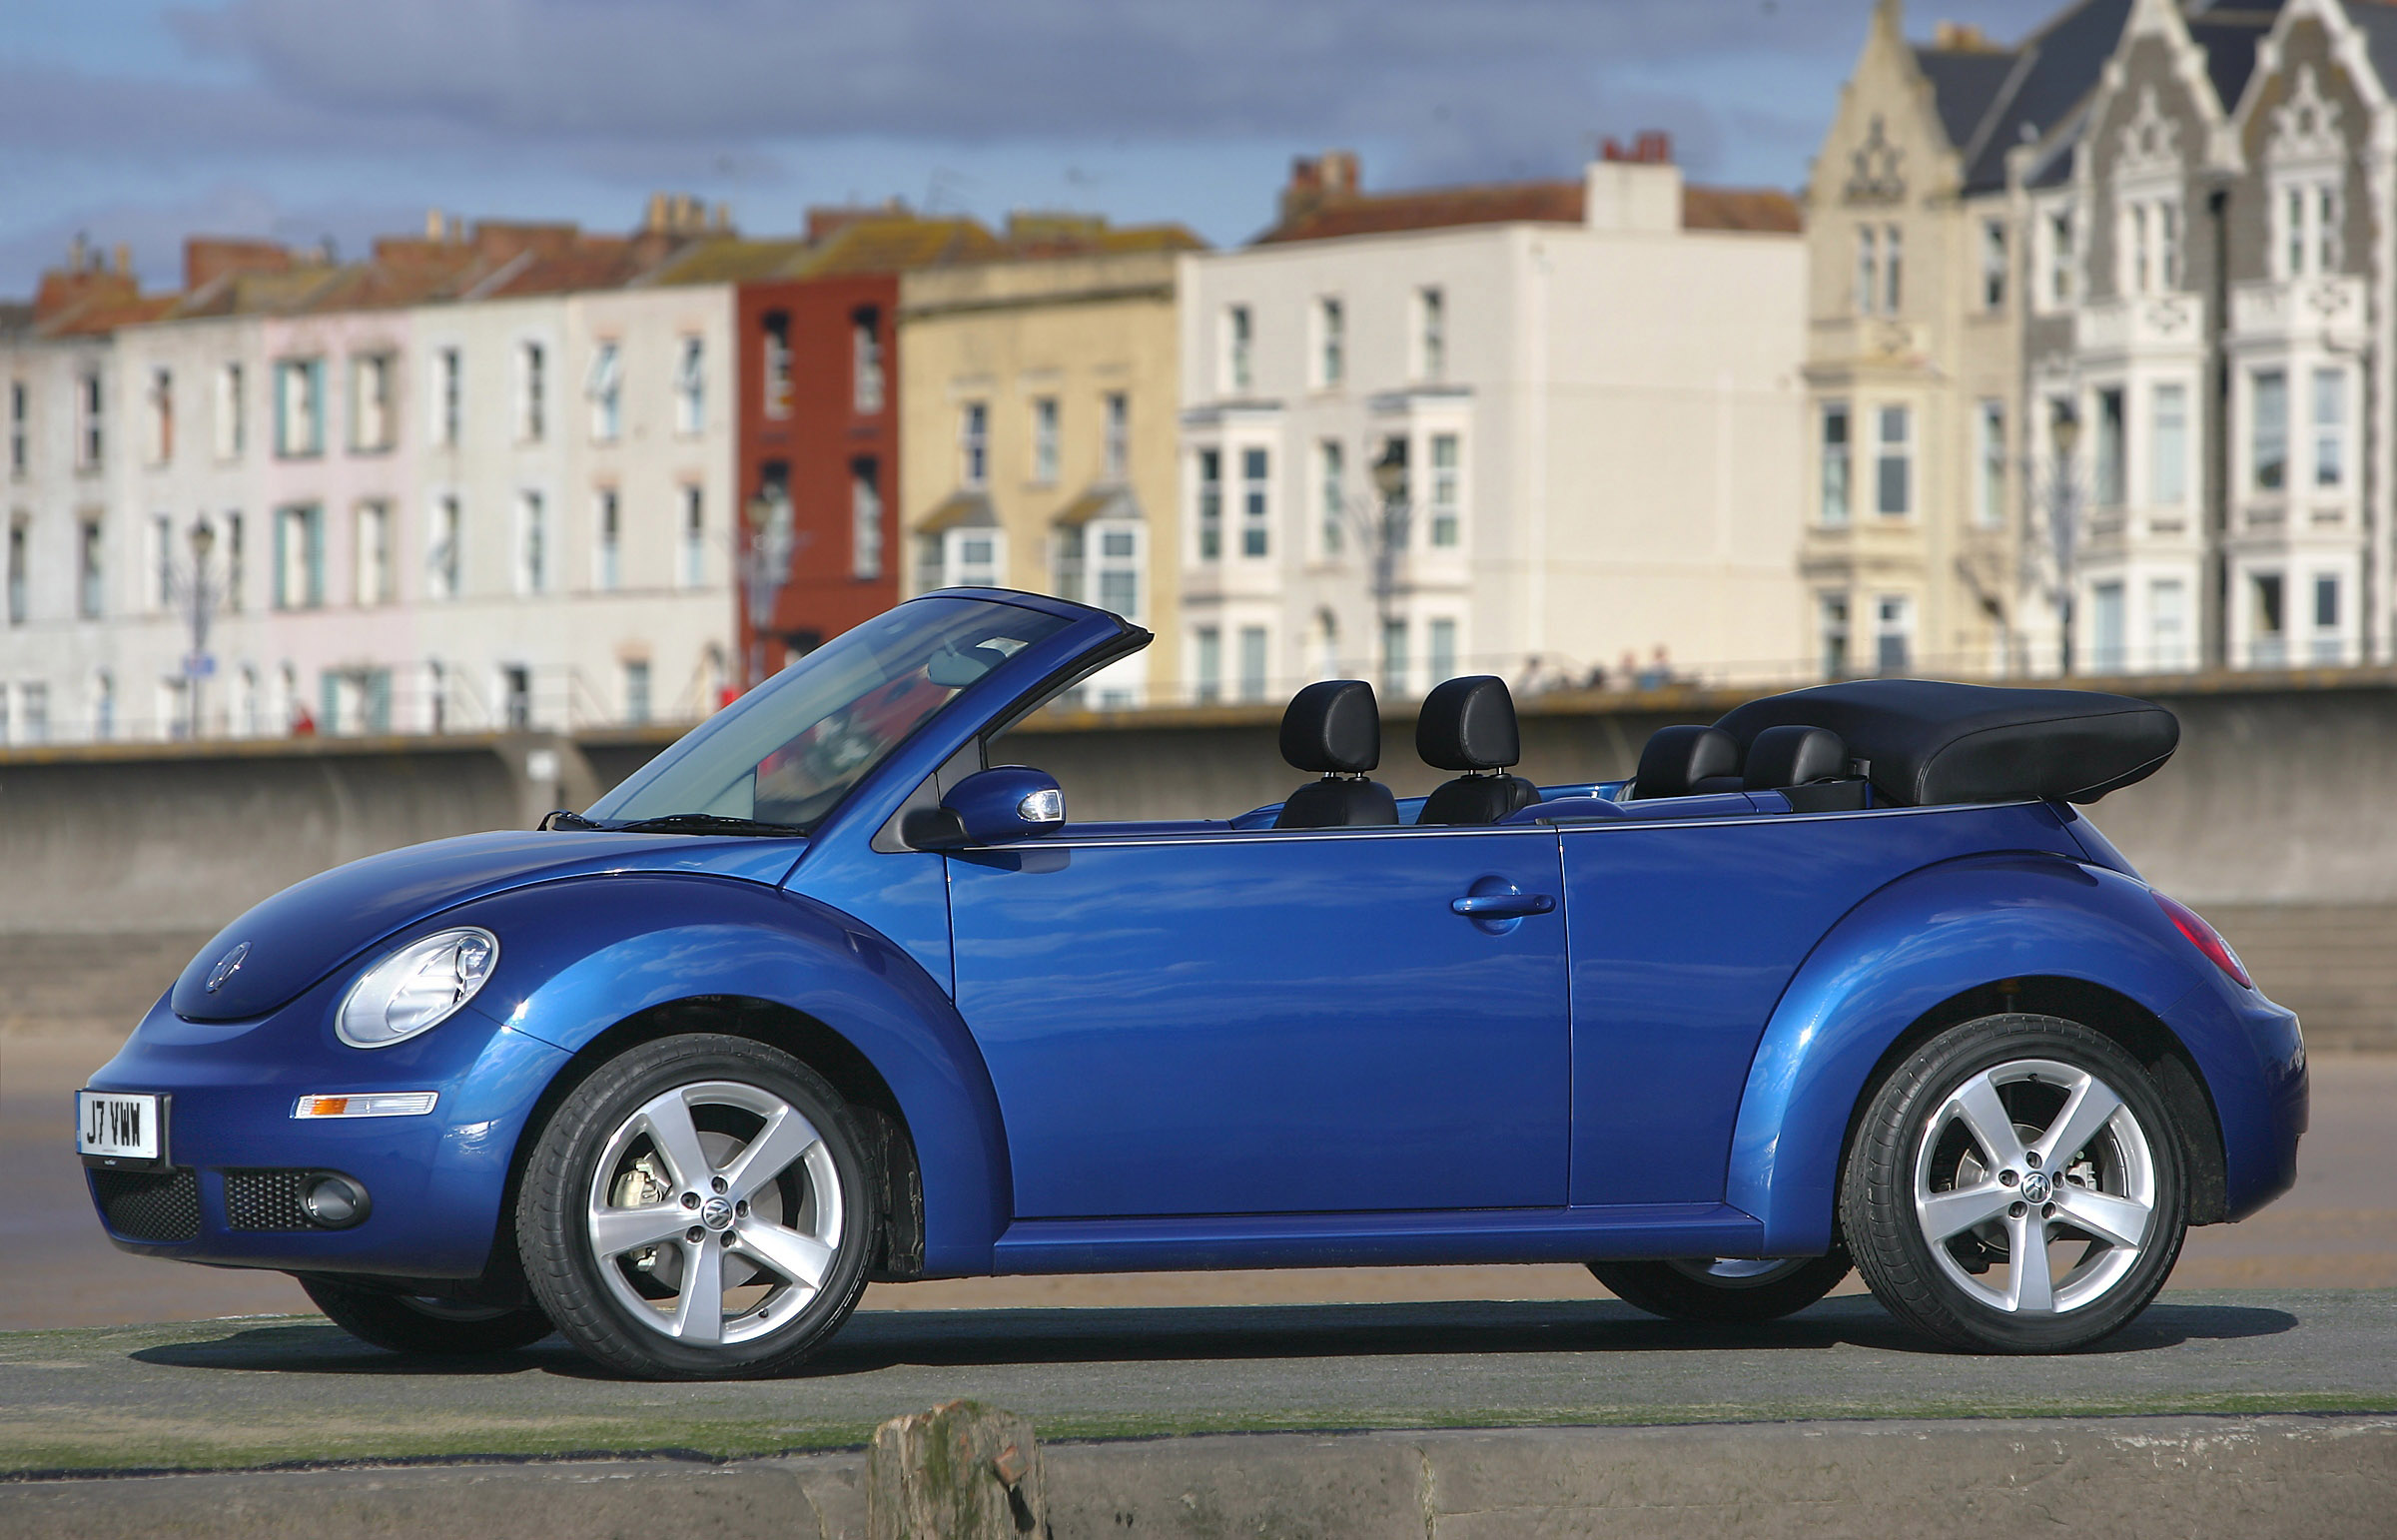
{"x": 1528, "y": 429}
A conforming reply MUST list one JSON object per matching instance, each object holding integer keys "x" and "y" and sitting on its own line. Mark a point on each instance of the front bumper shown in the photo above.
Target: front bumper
{"x": 436, "y": 1181}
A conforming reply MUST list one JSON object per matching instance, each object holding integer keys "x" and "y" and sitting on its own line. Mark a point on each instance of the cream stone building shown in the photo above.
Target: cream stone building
{"x": 1037, "y": 435}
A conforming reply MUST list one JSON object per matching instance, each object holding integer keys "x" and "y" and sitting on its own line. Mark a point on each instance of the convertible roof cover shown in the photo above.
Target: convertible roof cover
{"x": 1926, "y": 742}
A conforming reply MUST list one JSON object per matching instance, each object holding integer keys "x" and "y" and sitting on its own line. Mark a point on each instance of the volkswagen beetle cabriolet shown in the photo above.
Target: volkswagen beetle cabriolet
{"x": 828, "y": 994}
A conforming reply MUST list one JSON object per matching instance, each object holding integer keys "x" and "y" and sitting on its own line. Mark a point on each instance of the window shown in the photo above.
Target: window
{"x": 1893, "y": 470}
{"x": 1252, "y": 662}
{"x": 2106, "y": 489}
{"x": 775, "y": 389}
{"x": 1333, "y": 492}
{"x": 1331, "y": 343}
{"x": 866, "y": 387}
{"x": 2168, "y": 622}
{"x": 2268, "y": 643}
{"x": 91, "y": 424}
{"x": 1988, "y": 506}
{"x": 2326, "y": 619}
{"x": 2306, "y": 240}
{"x": 636, "y": 691}
{"x": 2168, "y": 444}
{"x": 442, "y": 556}
{"x": 1892, "y": 634}
{"x": 2060, "y": 257}
{"x": 104, "y": 705}
{"x": 235, "y": 563}
{"x": 299, "y": 408}
{"x": 1044, "y": 441}
{"x": 1071, "y": 545}
{"x": 299, "y": 557}
{"x": 690, "y": 387}
{"x": 1443, "y": 651}
{"x": 1393, "y": 657}
{"x": 162, "y": 563}
{"x": 231, "y": 412}
{"x": 865, "y": 519}
{"x": 532, "y": 542}
{"x": 448, "y": 400}
{"x": 1207, "y": 655}
{"x": 33, "y": 711}
{"x": 1445, "y": 487}
{"x": 1833, "y": 509}
{"x": 973, "y": 559}
{"x": 973, "y": 445}
{"x": 159, "y": 410}
{"x": 20, "y": 437}
{"x": 2331, "y": 427}
{"x": 91, "y": 597}
{"x": 371, "y": 421}
{"x": 1892, "y": 269}
{"x": 2269, "y": 430}
{"x": 606, "y": 390}
{"x": 1238, "y": 337}
{"x": 1115, "y": 452}
{"x": 17, "y": 558}
{"x": 374, "y": 554}
{"x": 1993, "y": 264}
{"x": 1868, "y": 268}
{"x": 1120, "y": 569}
{"x": 1431, "y": 333}
{"x": 608, "y": 547}
{"x": 694, "y": 535}
{"x": 1255, "y": 511}
{"x": 533, "y": 393}
{"x": 1211, "y": 505}
{"x": 2168, "y": 245}
{"x": 2105, "y": 627}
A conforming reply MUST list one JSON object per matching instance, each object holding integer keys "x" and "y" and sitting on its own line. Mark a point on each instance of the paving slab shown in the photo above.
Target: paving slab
{"x": 235, "y": 1394}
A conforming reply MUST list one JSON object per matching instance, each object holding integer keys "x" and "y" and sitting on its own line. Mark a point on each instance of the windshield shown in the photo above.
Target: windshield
{"x": 787, "y": 752}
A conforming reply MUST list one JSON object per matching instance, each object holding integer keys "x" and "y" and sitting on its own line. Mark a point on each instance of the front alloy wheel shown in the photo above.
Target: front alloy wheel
{"x": 695, "y": 1210}
{"x": 2017, "y": 1187}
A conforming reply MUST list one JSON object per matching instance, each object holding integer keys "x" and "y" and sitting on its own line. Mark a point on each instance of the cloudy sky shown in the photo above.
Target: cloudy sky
{"x": 139, "y": 121}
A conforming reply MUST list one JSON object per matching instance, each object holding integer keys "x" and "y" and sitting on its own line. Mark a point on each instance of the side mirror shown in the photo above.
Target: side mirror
{"x": 989, "y": 807}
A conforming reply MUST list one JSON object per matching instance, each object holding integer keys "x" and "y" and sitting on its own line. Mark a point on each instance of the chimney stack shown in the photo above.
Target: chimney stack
{"x": 1317, "y": 180}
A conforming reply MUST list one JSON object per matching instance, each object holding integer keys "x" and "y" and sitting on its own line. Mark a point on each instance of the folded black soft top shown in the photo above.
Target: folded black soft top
{"x": 1923, "y": 742}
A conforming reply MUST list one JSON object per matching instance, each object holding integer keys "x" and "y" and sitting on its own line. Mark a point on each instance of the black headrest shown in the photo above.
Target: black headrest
{"x": 1332, "y": 727}
{"x": 1795, "y": 756}
{"x": 1678, "y": 758}
{"x": 1468, "y": 724}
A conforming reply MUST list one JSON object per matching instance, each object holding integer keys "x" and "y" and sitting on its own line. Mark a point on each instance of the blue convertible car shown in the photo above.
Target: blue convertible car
{"x": 829, "y": 993}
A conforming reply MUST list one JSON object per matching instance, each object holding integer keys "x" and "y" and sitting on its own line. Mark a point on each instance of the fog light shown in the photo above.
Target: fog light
{"x": 334, "y": 1202}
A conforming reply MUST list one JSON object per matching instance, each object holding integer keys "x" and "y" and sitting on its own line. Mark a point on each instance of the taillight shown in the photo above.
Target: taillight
{"x": 2205, "y": 937}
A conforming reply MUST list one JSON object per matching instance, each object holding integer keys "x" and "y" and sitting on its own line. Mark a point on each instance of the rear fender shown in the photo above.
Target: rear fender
{"x": 578, "y": 957}
{"x": 1916, "y": 943}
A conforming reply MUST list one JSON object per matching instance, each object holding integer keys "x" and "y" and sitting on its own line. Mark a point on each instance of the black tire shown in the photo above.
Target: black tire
{"x": 1712, "y": 1294}
{"x": 616, "y": 1308}
{"x": 1915, "y": 1143}
{"x": 431, "y": 1327}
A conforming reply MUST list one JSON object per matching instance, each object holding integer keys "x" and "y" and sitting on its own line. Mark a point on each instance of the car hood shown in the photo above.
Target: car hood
{"x": 308, "y": 929}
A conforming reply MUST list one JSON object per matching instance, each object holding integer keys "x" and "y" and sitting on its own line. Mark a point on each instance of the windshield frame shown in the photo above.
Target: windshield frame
{"x": 964, "y": 716}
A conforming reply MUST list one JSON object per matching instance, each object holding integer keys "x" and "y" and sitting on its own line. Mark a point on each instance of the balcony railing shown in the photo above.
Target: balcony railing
{"x": 2324, "y": 311}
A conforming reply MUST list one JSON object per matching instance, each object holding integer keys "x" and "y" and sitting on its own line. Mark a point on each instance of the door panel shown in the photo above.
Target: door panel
{"x": 1269, "y": 1023}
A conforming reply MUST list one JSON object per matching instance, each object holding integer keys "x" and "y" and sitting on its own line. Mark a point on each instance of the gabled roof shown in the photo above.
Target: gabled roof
{"x": 2056, "y": 68}
{"x": 2378, "y": 23}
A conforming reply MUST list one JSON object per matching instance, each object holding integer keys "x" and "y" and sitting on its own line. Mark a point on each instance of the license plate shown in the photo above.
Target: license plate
{"x": 114, "y": 1126}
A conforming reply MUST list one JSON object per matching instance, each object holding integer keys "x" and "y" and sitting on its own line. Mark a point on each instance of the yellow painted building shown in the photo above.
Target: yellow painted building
{"x": 1038, "y": 422}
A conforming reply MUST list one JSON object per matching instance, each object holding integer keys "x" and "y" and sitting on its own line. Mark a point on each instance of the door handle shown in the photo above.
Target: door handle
{"x": 1503, "y": 906}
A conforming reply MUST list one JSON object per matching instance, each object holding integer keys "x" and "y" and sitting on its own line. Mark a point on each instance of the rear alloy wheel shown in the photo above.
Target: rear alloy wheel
{"x": 1724, "y": 1290}
{"x": 697, "y": 1211}
{"x": 404, "y": 1323}
{"x": 2016, "y": 1188}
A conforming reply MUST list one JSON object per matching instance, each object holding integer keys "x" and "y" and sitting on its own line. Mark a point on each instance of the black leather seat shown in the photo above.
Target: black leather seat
{"x": 1683, "y": 761}
{"x": 1335, "y": 728}
{"x": 1794, "y": 756}
{"x": 1469, "y": 725}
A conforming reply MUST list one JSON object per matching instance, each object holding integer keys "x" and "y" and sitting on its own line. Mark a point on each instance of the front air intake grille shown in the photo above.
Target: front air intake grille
{"x": 150, "y": 1205}
{"x": 265, "y": 1199}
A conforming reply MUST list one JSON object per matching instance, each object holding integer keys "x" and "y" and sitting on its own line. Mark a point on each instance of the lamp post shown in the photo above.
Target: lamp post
{"x": 2061, "y": 496}
{"x": 764, "y": 565}
{"x": 199, "y": 597}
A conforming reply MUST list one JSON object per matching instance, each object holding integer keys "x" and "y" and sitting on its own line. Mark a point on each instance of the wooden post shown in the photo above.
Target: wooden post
{"x": 962, "y": 1471}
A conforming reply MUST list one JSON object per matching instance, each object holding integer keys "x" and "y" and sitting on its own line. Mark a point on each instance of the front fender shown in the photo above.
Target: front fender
{"x": 1923, "y": 939}
{"x": 578, "y": 956}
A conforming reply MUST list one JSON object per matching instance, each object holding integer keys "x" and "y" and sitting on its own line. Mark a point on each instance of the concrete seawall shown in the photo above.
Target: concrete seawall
{"x": 2278, "y": 815}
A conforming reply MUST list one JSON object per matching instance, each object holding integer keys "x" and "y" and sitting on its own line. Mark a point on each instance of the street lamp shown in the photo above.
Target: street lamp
{"x": 200, "y": 596}
{"x": 2063, "y": 500}
{"x": 764, "y": 565}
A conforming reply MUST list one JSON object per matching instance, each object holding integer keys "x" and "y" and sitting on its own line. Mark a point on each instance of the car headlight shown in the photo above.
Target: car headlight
{"x": 416, "y": 988}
